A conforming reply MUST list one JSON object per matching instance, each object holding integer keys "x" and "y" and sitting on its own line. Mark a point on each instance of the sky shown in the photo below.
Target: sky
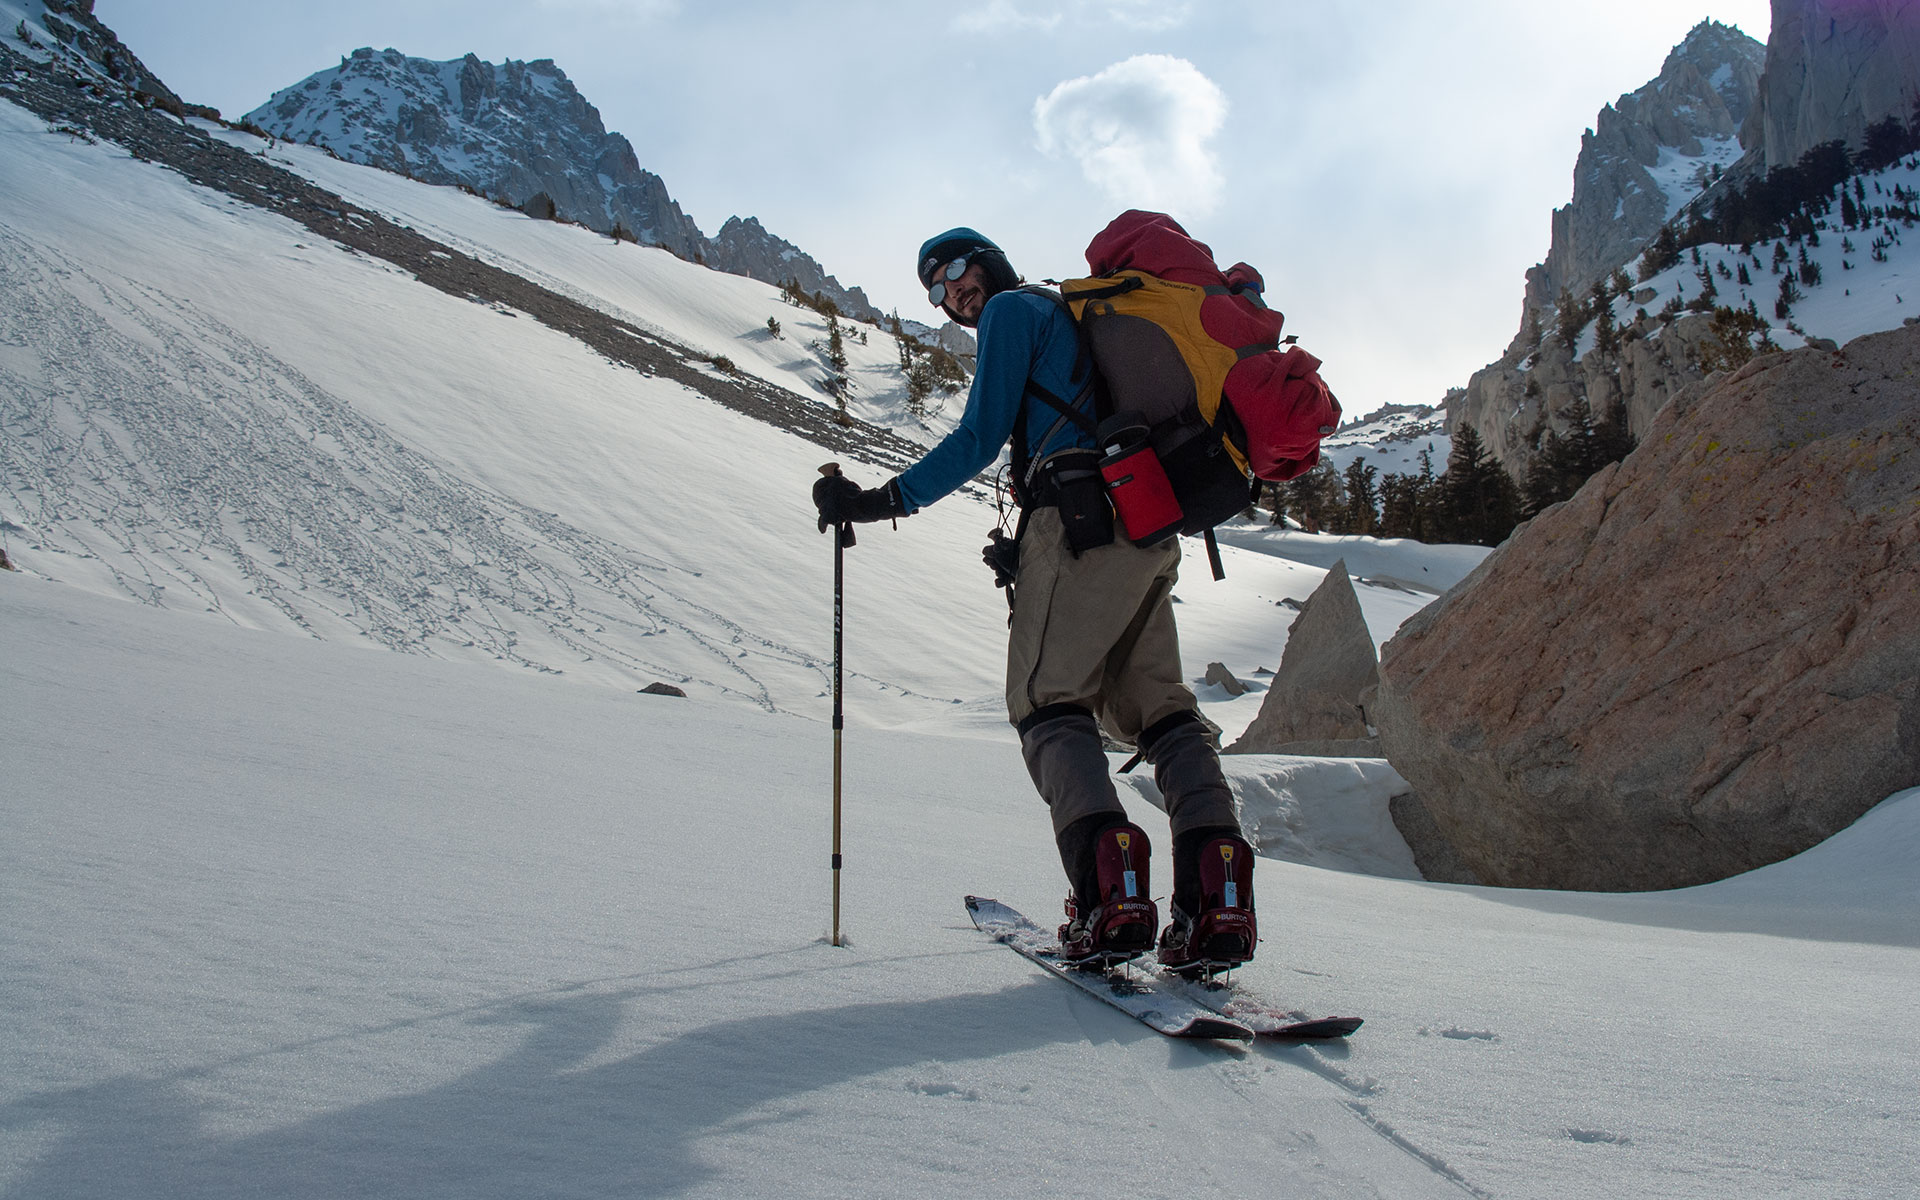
{"x": 1390, "y": 167}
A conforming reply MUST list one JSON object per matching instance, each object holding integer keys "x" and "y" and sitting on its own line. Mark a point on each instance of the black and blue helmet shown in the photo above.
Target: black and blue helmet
{"x": 963, "y": 243}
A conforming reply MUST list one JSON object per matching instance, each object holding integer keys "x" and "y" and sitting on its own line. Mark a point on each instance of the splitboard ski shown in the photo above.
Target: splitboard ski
{"x": 1140, "y": 996}
{"x": 1262, "y": 1016}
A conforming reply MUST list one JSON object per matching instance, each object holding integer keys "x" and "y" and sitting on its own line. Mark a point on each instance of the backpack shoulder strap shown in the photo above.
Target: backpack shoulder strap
{"x": 1075, "y": 411}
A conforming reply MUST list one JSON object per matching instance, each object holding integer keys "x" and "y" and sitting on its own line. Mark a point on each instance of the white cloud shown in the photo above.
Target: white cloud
{"x": 1140, "y": 131}
{"x": 1003, "y": 16}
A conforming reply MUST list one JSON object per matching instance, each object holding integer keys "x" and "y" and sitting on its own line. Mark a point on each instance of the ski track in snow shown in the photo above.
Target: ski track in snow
{"x": 121, "y": 409}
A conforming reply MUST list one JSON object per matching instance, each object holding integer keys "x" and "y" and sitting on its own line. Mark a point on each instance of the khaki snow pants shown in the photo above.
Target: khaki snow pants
{"x": 1093, "y": 639}
{"x": 1095, "y": 631}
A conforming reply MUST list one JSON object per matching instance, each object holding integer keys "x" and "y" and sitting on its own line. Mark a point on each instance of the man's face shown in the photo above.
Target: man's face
{"x": 967, "y": 295}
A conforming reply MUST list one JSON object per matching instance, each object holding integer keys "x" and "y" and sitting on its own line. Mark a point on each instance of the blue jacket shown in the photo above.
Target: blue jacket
{"x": 1022, "y": 336}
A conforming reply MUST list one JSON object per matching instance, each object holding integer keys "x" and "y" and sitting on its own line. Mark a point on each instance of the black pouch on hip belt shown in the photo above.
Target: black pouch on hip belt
{"x": 1071, "y": 481}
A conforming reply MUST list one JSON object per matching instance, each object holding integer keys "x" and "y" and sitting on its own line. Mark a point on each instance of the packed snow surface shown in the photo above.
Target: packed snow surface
{"x": 467, "y": 916}
{"x": 284, "y": 918}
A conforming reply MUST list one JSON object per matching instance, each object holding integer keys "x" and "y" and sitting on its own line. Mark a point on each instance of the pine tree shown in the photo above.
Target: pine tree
{"x": 839, "y": 383}
{"x": 1317, "y": 499}
{"x": 1606, "y": 335}
{"x": 1543, "y": 486}
{"x": 1783, "y": 307}
{"x": 1572, "y": 318}
{"x": 1661, "y": 253}
{"x": 1483, "y": 502}
{"x": 1363, "y": 512}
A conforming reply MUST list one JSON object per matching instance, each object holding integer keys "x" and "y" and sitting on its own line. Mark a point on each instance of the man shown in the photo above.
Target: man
{"x": 1092, "y": 632}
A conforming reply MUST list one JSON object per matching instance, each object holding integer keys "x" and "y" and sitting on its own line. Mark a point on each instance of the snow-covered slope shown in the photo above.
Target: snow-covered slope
{"x": 1392, "y": 441}
{"x": 710, "y": 311}
{"x": 1868, "y": 278}
{"x": 417, "y": 471}
{"x": 285, "y": 919}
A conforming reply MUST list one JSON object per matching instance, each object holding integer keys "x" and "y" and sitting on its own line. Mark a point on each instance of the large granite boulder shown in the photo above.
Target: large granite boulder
{"x": 1328, "y": 662}
{"x": 1708, "y": 660}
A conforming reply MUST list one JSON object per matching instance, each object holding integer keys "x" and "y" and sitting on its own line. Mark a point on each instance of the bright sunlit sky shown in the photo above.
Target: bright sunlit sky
{"x": 1390, "y": 167}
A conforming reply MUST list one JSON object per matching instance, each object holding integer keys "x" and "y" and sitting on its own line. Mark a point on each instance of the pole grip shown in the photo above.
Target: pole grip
{"x": 845, "y": 536}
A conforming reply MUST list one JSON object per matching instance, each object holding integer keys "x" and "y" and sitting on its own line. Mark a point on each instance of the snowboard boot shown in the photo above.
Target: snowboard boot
{"x": 1210, "y": 927}
{"x": 1110, "y": 918}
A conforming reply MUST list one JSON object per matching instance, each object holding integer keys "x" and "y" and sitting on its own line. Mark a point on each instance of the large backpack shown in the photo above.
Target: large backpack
{"x": 1196, "y": 355}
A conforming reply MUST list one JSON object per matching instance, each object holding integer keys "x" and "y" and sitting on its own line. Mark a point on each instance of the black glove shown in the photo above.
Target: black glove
{"x": 1002, "y": 553}
{"x": 841, "y": 500}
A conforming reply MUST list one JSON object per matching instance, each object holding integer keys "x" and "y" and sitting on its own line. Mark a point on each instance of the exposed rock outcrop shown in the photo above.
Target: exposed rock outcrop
{"x": 1834, "y": 67}
{"x": 1704, "y": 662}
{"x": 1328, "y": 662}
{"x": 1513, "y": 402}
{"x": 508, "y": 131}
{"x": 1648, "y": 153}
{"x": 68, "y": 31}
{"x": 514, "y": 132}
{"x": 1436, "y": 857}
{"x": 744, "y": 247}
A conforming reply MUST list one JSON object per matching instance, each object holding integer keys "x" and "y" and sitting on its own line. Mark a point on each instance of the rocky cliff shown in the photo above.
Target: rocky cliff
{"x": 1721, "y": 112}
{"x": 1834, "y": 67}
{"x": 744, "y": 247}
{"x": 510, "y": 131}
{"x": 1648, "y": 153}
{"x": 66, "y": 31}
{"x": 515, "y": 132}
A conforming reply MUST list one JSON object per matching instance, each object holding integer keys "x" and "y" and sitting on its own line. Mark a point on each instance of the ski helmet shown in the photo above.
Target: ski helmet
{"x": 975, "y": 247}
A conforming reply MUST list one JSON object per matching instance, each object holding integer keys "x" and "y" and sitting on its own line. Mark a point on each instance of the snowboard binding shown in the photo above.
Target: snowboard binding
{"x": 1116, "y": 921}
{"x": 1220, "y": 933}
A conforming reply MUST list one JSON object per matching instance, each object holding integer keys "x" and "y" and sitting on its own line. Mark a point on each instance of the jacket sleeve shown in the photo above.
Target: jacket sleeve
{"x": 1009, "y": 333}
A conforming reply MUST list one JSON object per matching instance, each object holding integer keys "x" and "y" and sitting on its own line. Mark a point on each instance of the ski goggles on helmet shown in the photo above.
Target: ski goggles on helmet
{"x": 937, "y": 294}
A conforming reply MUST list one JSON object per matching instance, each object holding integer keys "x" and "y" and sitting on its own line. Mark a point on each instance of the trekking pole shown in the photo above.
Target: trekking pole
{"x": 843, "y": 537}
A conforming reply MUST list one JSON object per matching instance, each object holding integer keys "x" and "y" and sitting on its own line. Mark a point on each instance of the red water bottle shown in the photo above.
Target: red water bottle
{"x": 1136, "y": 482}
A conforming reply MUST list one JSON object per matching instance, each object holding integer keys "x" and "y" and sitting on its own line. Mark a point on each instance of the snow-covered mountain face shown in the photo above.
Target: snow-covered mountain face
{"x": 509, "y": 131}
{"x": 65, "y": 31}
{"x": 1649, "y": 154}
{"x": 1393, "y": 440}
{"x": 1665, "y": 156}
{"x": 515, "y": 131}
{"x": 744, "y": 247}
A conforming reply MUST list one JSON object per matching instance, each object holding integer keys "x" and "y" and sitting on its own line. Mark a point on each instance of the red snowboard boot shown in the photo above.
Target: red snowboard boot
{"x": 1218, "y": 931}
{"x": 1116, "y": 921}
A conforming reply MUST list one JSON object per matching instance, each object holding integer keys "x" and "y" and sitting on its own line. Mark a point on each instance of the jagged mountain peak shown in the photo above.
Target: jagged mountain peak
{"x": 66, "y": 31}
{"x": 512, "y": 131}
{"x": 516, "y": 131}
{"x": 745, "y": 247}
{"x": 1648, "y": 154}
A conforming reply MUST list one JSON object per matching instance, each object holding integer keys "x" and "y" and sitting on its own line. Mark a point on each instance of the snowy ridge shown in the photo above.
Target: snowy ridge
{"x": 1392, "y": 440}
{"x": 713, "y": 312}
{"x": 517, "y": 131}
{"x": 1869, "y": 279}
